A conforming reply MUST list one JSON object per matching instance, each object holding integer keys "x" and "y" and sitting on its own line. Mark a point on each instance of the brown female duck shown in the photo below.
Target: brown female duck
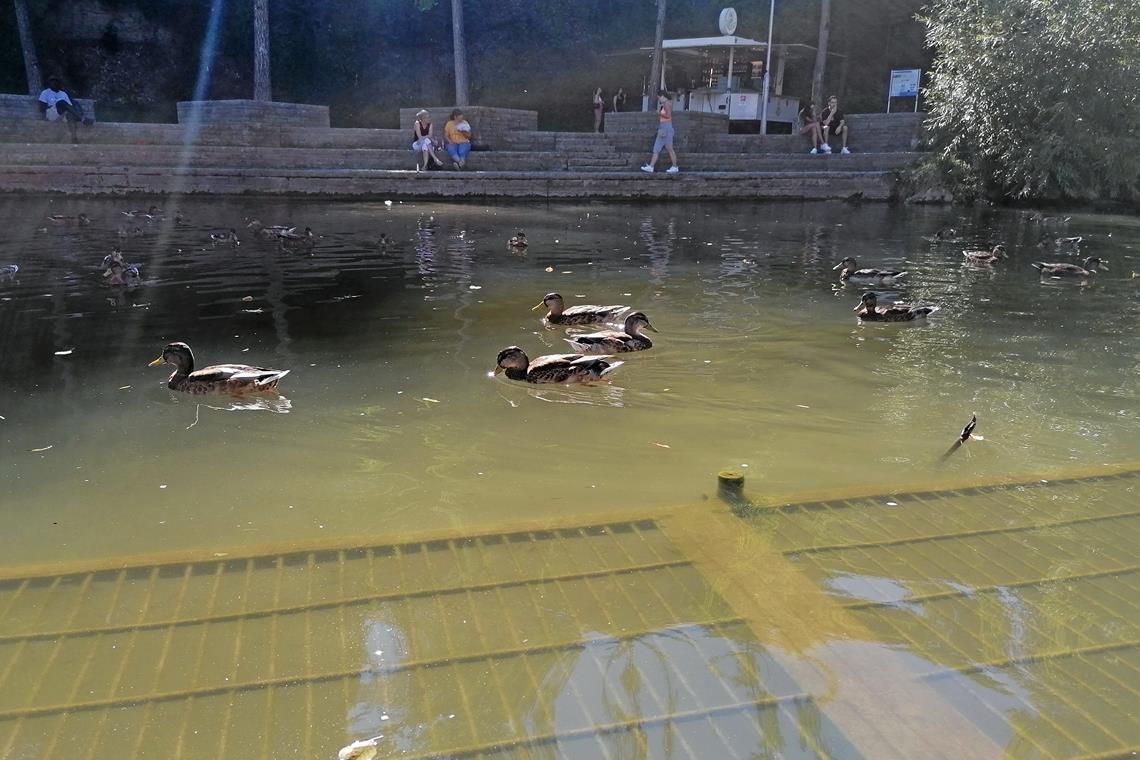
{"x": 220, "y": 378}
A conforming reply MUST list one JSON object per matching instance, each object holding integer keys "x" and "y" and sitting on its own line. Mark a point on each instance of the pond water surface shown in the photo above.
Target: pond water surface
{"x": 390, "y": 425}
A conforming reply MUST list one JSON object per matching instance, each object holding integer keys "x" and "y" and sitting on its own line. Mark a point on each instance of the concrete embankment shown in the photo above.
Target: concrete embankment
{"x": 266, "y": 159}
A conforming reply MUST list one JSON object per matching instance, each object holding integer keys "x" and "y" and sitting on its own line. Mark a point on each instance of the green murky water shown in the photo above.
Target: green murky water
{"x": 390, "y": 426}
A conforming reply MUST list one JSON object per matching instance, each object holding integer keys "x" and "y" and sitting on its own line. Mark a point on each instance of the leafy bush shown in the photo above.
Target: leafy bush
{"x": 1037, "y": 98}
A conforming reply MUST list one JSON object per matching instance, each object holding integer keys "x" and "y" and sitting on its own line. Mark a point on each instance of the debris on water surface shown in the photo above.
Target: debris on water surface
{"x": 550, "y": 269}
{"x": 42, "y": 448}
{"x": 363, "y": 749}
{"x": 64, "y": 352}
{"x": 661, "y": 445}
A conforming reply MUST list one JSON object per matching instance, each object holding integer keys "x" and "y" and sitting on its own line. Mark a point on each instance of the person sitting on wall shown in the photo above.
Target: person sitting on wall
{"x": 457, "y": 132}
{"x": 833, "y": 125}
{"x": 423, "y": 142}
{"x": 55, "y": 105}
{"x": 809, "y": 125}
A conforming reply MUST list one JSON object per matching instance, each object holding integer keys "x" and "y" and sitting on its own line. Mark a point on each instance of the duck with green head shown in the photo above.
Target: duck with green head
{"x": 220, "y": 378}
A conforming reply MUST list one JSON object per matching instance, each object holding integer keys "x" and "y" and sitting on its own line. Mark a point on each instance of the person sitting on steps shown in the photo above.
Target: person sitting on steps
{"x": 457, "y": 131}
{"x": 423, "y": 143}
{"x": 55, "y": 104}
{"x": 834, "y": 125}
{"x": 810, "y": 126}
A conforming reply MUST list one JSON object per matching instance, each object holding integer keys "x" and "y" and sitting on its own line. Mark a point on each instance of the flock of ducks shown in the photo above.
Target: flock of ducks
{"x": 593, "y": 362}
{"x": 623, "y": 327}
{"x": 869, "y": 309}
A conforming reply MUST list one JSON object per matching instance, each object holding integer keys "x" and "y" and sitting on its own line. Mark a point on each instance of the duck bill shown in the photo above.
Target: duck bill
{"x": 858, "y": 306}
{"x": 156, "y": 362}
{"x": 538, "y": 306}
{"x": 1102, "y": 265}
{"x": 837, "y": 266}
{"x": 651, "y": 327}
{"x": 497, "y": 370}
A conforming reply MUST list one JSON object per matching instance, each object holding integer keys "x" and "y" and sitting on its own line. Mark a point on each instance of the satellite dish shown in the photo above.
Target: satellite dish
{"x": 728, "y": 21}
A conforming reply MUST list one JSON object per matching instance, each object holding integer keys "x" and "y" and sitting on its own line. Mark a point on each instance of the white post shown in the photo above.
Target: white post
{"x": 728, "y": 89}
{"x": 767, "y": 70}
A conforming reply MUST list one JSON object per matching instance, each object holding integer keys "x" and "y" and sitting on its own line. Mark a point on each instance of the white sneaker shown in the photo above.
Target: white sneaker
{"x": 825, "y": 148}
{"x": 647, "y": 169}
{"x": 845, "y": 152}
{"x": 672, "y": 170}
{"x": 813, "y": 151}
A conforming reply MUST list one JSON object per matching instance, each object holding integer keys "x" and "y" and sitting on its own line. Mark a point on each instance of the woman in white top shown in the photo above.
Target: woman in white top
{"x": 423, "y": 141}
{"x": 599, "y": 109}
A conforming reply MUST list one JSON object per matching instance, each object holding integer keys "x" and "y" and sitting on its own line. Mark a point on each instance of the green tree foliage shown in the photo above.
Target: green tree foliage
{"x": 1037, "y": 98}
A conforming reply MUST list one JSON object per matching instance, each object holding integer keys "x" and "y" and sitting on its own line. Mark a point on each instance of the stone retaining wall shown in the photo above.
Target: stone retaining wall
{"x": 26, "y": 105}
{"x": 252, "y": 113}
{"x": 630, "y": 128}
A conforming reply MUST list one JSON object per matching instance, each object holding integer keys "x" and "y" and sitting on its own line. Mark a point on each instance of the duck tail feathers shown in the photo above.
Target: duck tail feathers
{"x": 270, "y": 381}
{"x": 612, "y": 366}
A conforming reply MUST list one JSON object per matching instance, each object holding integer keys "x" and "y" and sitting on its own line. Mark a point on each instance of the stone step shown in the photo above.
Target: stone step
{"x": 374, "y": 184}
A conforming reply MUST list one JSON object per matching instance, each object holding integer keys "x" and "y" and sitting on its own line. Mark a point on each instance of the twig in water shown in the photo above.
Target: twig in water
{"x": 197, "y": 408}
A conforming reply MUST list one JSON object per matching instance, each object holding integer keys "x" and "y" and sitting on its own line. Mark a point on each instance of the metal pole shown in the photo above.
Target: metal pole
{"x": 767, "y": 70}
{"x": 728, "y": 89}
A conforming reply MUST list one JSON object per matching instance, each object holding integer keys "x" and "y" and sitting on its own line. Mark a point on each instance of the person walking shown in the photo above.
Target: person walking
{"x": 599, "y": 110}
{"x": 664, "y": 134}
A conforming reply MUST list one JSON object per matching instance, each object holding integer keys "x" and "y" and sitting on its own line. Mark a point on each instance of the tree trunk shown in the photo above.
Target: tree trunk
{"x": 821, "y": 53}
{"x": 28, "y": 45}
{"x": 658, "y": 56}
{"x": 262, "y": 83}
{"x": 460, "y": 44}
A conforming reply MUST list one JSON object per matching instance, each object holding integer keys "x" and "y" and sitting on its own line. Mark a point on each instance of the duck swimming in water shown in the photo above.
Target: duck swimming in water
{"x": 9, "y": 271}
{"x": 297, "y": 241}
{"x": 220, "y": 378}
{"x": 268, "y": 233}
{"x": 851, "y": 273}
{"x": 582, "y": 314}
{"x": 985, "y": 257}
{"x": 870, "y": 311}
{"x": 518, "y": 240}
{"x": 1060, "y": 269}
{"x": 554, "y": 368}
{"x": 230, "y": 237}
{"x": 119, "y": 273}
{"x": 82, "y": 220}
{"x": 616, "y": 341}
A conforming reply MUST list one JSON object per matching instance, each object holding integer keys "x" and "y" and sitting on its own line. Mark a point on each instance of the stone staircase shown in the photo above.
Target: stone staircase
{"x": 158, "y": 158}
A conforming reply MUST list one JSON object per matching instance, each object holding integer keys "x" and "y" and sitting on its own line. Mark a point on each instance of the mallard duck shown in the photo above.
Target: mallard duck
{"x": 1091, "y": 265}
{"x": 582, "y": 314}
{"x": 870, "y": 311}
{"x": 269, "y": 233}
{"x": 554, "y": 368}
{"x": 81, "y": 220}
{"x": 297, "y": 241}
{"x": 9, "y": 270}
{"x": 118, "y": 273}
{"x": 115, "y": 256}
{"x": 616, "y": 341}
{"x": 221, "y": 378}
{"x": 154, "y": 212}
{"x": 230, "y": 237}
{"x": 851, "y": 273}
{"x": 383, "y": 241}
{"x": 942, "y": 235}
{"x": 985, "y": 257}
{"x": 518, "y": 240}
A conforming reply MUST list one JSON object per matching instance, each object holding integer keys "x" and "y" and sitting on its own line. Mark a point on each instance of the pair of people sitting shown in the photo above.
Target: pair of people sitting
{"x": 56, "y": 105}
{"x": 457, "y": 136}
{"x": 829, "y": 126}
